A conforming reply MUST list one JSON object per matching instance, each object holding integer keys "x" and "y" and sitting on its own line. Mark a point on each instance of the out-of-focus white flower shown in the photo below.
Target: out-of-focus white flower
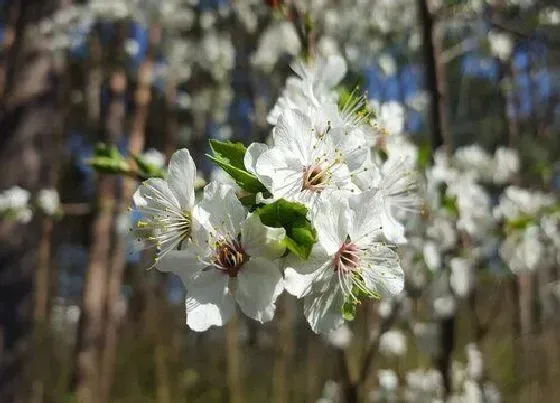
{"x": 432, "y": 256}
{"x": 48, "y": 201}
{"x": 472, "y": 391}
{"x": 475, "y": 362}
{"x": 418, "y": 101}
{"x": 131, "y": 47}
{"x": 515, "y": 202}
{"x": 473, "y": 159}
{"x": 549, "y": 16}
{"x": 442, "y": 171}
{"x": 505, "y": 165}
{"x": 385, "y": 308}
{"x": 341, "y": 337}
{"x": 14, "y": 203}
{"x": 392, "y": 117}
{"x": 332, "y": 392}
{"x": 474, "y": 205}
{"x": 444, "y": 307}
{"x": 387, "y": 64}
{"x": 278, "y": 39}
{"x": 462, "y": 276}
{"x": 392, "y": 342}
{"x": 207, "y": 19}
{"x": 442, "y": 231}
{"x": 388, "y": 380}
{"x": 501, "y": 45}
{"x": 523, "y": 250}
{"x": 423, "y": 385}
{"x": 154, "y": 157}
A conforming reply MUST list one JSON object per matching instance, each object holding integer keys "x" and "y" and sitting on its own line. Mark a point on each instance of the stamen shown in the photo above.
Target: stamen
{"x": 229, "y": 256}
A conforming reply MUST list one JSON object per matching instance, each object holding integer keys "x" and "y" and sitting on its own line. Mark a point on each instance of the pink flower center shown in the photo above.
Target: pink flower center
{"x": 346, "y": 259}
{"x": 229, "y": 256}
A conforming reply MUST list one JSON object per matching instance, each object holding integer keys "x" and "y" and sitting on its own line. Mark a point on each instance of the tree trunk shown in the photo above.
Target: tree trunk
{"x": 233, "y": 362}
{"x": 436, "y": 85}
{"x": 90, "y": 329}
{"x": 27, "y": 68}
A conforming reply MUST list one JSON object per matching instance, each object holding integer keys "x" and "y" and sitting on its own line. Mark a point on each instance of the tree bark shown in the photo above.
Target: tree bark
{"x": 233, "y": 362}
{"x": 281, "y": 385}
{"x": 90, "y": 329}
{"x": 436, "y": 84}
{"x": 28, "y": 117}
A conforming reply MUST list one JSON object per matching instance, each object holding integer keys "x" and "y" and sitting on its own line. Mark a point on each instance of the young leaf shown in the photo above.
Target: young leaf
{"x": 300, "y": 235}
{"x": 349, "y": 310}
{"x": 230, "y": 157}
{"x": 234, "y": 152}
{"x": 148, "y": 170}
{"x": 107, "y": 159}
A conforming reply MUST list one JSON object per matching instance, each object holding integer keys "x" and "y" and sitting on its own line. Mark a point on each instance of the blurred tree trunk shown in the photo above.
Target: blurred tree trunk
{"x": 436, "y": 84}
{"x": 135, "y": 147}
{"x": 235, "y": 388}
{"x": 117, "y": 261}
{"x": 29, "y": 119}
{"x": 281, "y": 380}
{"x": 90, "y": 329}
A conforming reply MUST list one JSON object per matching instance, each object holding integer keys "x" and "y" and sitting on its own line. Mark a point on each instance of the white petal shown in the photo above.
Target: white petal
{"x": 254, "y": 151}
{"x": 365, "y": 222}
{"x": 323, "y": 310}
{"x": 184, "y": 263}
{"x": 208, "y": 301}
{"x": 382, "y": 271}
{"x": 294, "y": 132}
{"x": 154, "y": 193}
{"x": 285, "y": 170}
{"x": 331, "y": 221}
{"x": 334, "y": 71}
{"x": 259, "y": 284}
{"x": 220, "y": 210}
{"x": 299, "y": 274}
{"x": 260, "y": 240}
{"x": 392, "y": 229}
{"x": 181, "y": 176}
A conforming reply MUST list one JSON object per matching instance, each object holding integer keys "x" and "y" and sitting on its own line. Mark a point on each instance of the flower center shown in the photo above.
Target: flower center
{"x": 314, "y": 178}
{"x": 229, "y": 256}
{"x": 346, "y": 259}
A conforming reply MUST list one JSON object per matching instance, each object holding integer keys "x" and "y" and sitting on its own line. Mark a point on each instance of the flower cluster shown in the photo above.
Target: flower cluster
{"x": 16, "y": 204}
{"x": 318, "y": 212}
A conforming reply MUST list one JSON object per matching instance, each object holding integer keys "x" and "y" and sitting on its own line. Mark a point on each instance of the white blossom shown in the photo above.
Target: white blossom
{"x": 166, "y": 206}
{"x": 393, "y": 342}
{"x": 232, "y": 260}
{"x": 462, "y": 276}
{"x": 154, "y": 157}
{"x": 347, "y": 255}
{"x": 48, "y": 201}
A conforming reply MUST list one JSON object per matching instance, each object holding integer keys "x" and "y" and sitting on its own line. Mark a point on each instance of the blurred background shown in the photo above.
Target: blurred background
{"x": 81, "y": 320}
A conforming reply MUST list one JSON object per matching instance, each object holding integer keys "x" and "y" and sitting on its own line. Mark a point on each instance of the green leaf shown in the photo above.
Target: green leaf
{"x": 349, "y": 310}
{"x": 520, "y": 223}
{"x": 148, "y": 170}
{"x": 234, "y": 153}
{"x": 108, "y": 160}
{"x": 300, "y": 235}
{"x": 230, "y": 157}
{"x": 424, "y": 155}
{"x": 450, "y": 204}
